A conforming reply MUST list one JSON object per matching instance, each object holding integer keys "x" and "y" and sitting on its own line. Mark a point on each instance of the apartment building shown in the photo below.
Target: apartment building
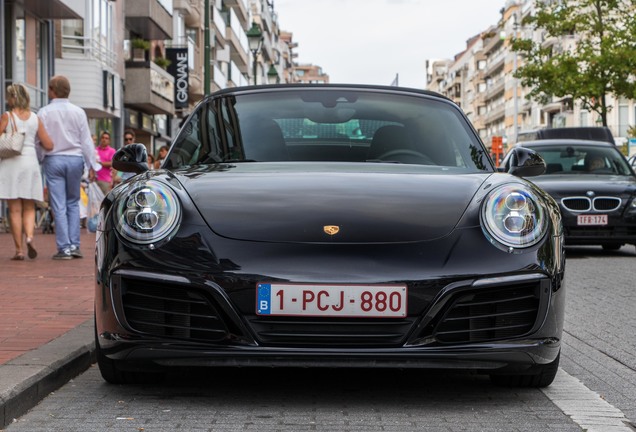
{"x": 309, "y": 73}
{"x": 481, "y": 81}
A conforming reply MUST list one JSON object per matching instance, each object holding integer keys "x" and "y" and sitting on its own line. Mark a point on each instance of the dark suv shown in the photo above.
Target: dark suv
{"x": 594, "y": 186}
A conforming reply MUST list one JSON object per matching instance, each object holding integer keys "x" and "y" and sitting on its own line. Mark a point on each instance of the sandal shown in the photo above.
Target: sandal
{"x": 17, "y": 257}
{"x": 31, "y": 250}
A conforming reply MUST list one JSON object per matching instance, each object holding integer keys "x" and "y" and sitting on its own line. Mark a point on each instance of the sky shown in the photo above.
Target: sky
{"x": 375, "y": 41}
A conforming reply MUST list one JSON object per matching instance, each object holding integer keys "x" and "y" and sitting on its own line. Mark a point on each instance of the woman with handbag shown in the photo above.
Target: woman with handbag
{"x": 20, "y": 177}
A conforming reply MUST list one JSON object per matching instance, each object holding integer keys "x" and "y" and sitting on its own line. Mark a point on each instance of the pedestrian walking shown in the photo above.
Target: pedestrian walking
{"x": 163, "y": 152}
{"x": 118, "y": 176}
{"x": 20, "y": 176}
{"x": 105, "y": 154}
{"x": 73, "y": 147}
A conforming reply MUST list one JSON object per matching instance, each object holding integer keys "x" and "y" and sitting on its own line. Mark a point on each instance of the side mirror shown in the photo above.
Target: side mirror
{"x": 523, "y": 162}
{"x": 131, "y": 158}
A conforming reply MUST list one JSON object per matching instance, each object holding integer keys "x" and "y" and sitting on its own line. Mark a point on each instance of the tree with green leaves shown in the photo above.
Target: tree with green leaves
{"x": 601, "y": 61}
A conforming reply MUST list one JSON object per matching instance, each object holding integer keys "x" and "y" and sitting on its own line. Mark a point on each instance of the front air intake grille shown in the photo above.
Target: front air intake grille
{"x": 490, "y": 314}
{"x": 171, "y": 311}
{"x": 330, "y": 332}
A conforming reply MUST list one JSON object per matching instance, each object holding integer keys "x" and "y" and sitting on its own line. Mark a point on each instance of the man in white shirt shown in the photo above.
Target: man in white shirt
{"x": 67, "y": 125}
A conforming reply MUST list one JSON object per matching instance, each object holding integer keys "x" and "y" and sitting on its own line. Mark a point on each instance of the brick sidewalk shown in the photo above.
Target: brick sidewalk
{"x": 43, "y": 298}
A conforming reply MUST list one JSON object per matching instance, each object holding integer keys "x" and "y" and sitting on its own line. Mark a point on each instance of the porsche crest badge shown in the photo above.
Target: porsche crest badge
{"x": 331, "y": 229}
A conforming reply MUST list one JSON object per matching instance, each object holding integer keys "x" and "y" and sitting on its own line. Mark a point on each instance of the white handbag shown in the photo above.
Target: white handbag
{"x": 11, "y": 142}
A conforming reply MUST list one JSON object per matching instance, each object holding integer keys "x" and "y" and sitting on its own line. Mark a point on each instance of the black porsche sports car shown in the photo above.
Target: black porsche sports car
{"x": 595, "y": 188}
{"x": 329, "y": 226}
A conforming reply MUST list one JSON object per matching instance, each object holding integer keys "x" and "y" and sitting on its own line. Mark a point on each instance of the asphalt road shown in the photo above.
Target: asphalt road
{"x": 599, "y": 360}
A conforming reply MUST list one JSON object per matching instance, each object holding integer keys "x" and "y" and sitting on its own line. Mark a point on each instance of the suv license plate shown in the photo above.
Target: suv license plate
{"x": 591, "y": 219}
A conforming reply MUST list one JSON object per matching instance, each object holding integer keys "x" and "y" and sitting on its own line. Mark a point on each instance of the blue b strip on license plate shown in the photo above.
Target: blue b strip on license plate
{"x": 264, "y": 299}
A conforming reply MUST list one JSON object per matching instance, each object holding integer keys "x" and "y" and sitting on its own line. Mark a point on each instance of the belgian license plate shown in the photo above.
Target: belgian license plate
{"x": 600, "y": 219}
{"x": 379, "y": 301}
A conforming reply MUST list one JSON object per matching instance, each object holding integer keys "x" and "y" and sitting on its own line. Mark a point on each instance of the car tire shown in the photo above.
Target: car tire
{"x": 543, "y": 377}
{"x": 113, "y": 372}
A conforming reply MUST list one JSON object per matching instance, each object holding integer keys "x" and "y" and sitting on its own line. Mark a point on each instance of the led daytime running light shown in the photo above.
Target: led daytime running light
{"x": 149, "y": 213}
{"x": 512, "y": 216}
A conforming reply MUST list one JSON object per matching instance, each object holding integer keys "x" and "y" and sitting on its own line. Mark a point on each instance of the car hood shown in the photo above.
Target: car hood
{"x": 574, "y": 185}
{"x": 249, "y": 202}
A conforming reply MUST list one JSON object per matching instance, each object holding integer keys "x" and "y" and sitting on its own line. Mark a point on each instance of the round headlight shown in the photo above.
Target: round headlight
{"x": 512, "y": 215}
{"x": 148, "y": 213}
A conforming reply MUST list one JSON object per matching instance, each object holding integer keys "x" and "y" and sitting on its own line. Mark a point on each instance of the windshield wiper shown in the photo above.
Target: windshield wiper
{"x": 382, "y": 161}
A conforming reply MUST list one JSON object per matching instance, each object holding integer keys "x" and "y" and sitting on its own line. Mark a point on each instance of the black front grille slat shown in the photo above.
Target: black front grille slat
{"x": 292, "y": 322}
{"x": 158, "y": 297}
{"x": 483, "y": 329}
{"x": 490, "y": 302}
{"x": 332, "y": 335}
{"x": 490, "y": 315}
{"x": 176, "y": 327}
{"x": 145, "y": 309}
{"x": 172, "y": 311}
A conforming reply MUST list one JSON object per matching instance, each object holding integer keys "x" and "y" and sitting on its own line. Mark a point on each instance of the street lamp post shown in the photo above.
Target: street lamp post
{"x": 272, "y": 75}
{"x": 255, "y": 40}
{"x": 515, "y": 133}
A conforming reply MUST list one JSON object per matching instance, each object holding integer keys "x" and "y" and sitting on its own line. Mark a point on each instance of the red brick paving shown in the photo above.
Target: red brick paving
{"x": 42, "y": 299}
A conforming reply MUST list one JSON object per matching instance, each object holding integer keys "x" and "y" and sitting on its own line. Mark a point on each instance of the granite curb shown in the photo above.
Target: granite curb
{"x": 29, "y": 378}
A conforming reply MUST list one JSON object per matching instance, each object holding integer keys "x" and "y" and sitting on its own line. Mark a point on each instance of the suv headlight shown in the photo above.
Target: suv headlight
{"x": 513, "y": 216}
{"x": 148, "y": 213}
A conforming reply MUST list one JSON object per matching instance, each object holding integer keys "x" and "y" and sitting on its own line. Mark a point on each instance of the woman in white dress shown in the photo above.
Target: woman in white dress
{"x": 20, "y": 177}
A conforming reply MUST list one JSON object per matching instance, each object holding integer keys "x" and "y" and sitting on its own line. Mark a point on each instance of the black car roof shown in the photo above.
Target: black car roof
{"x": 556, "y": 142}
{"x": 592, "y": 133}
{"x": 394, "y": 89}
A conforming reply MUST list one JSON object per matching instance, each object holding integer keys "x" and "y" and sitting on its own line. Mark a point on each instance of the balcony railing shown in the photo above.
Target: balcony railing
{"x": 149, "y": 88}
{"x": 80, "y": 46}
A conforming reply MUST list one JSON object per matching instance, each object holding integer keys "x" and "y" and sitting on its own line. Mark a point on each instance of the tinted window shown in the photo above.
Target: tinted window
{"x": 572, "y": 159}
{"x": 333, "y": 125}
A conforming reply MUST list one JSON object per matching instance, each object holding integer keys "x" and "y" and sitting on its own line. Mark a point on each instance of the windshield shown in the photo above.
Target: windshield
{"x": 583, "y": 159}
{"x": 329, "y": 125}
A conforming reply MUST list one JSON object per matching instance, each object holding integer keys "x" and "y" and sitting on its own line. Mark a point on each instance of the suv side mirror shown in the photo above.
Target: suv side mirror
{"x": 131, "y": 158}
{"x": 523, "y": 162}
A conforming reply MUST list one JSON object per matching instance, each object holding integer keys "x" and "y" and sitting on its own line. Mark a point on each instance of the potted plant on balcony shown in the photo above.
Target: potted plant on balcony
{"x": 139, "y": 49}
{"x": 162, "y": 62}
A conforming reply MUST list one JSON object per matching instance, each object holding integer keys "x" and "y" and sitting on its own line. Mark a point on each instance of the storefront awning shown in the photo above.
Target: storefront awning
{"x": 52, "y": 9}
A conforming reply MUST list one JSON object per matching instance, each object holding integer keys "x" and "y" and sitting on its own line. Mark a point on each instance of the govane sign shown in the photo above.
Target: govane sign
{"x": 179, "y": 69}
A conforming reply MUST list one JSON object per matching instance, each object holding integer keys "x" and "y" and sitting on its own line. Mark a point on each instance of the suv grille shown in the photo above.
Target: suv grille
{"x": 580, "y": 204}
{"x": 583, "y": 204}
{"x": 606, "y": 203}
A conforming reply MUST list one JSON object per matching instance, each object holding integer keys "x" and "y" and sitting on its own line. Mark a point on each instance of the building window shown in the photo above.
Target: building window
{"x": 73, "y": 36}
{"x": 19, "y": 73}
{"x": 102, "y": 25}
{"x": 93, "y": 36}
